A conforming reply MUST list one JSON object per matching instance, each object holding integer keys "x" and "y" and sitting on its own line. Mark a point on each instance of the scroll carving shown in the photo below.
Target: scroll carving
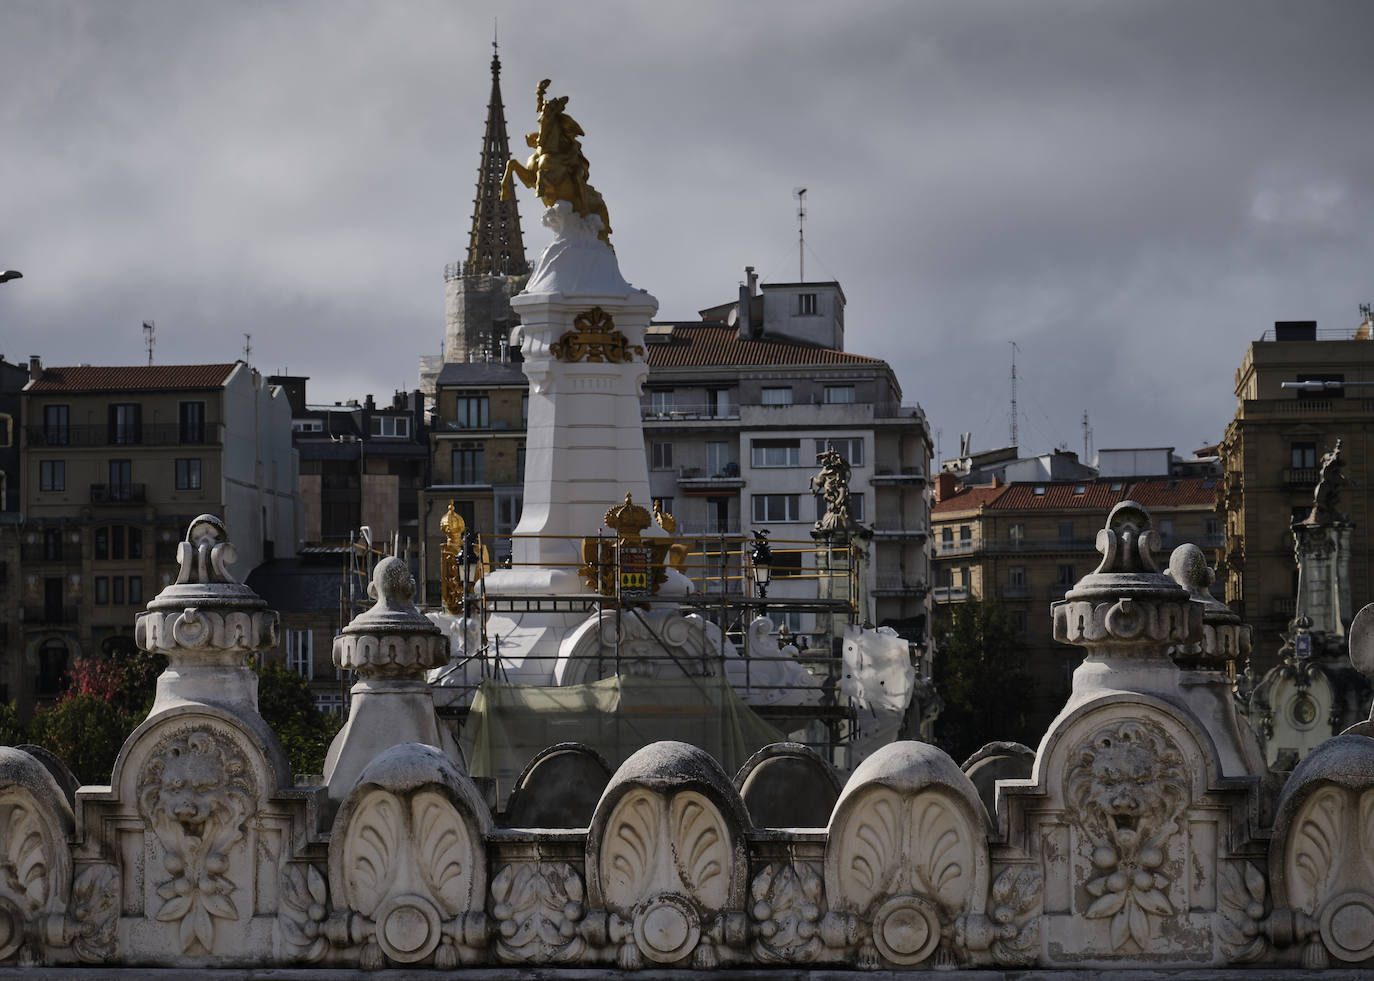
{"x": 537, "y": 910}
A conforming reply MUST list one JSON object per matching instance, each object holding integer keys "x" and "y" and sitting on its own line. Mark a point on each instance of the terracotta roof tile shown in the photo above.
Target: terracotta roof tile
{"x": 1164, "y": 492}
{"x": 1097, "y": 495}
{"x": 701, "y": 346}
{"x": 968, "y": 499}
{"x": 139, "y": 378}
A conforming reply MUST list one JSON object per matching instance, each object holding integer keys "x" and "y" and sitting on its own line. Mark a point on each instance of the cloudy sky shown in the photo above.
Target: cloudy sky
{"x": 1130, "y": 191}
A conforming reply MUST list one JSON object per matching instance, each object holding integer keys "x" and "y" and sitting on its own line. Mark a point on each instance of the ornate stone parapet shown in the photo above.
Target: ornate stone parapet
{"x": 1225, "y": 639}
{"x": 391, "y": 646}
{"x": 207, "y": 623}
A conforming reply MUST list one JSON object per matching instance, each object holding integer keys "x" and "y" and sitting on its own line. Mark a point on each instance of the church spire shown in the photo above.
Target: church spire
{"x": 495, "y": 245}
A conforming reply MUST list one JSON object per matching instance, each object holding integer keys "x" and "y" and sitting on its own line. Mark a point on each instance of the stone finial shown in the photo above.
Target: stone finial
{"x": 1126, "y": 601}
{"x": 1225, "y": 638}
{"x": 206, "y": 623}
{"x": 393, "y": 638}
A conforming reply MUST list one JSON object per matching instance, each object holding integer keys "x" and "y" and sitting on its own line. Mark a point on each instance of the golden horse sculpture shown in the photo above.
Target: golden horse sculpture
{"x": 556, "y": 169}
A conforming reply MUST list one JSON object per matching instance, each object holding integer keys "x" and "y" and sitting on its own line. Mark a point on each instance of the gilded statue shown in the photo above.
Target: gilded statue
{"x": 1326, "y": 498}
{"x": 556, "y": 169}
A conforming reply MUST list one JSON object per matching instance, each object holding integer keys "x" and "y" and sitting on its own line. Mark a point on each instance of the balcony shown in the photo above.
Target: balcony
{"x": 897, "y": 586}
{"x": 168, "y": 434}
{"x": 1015, "y": 590}
{"x": 950, "y": 594}
{"x": 900, "y": 534}
{"x": 1021, "y": 544}
{"x": 1300, "y": 476}
{"x": 693, "y": 480}
{"x": 49, "y": 552}
{"x": 1289, "y": 408}
{"x": 908, "y": 475}
{"x": 689, "y": 412}
{"x": 119, "y": 493}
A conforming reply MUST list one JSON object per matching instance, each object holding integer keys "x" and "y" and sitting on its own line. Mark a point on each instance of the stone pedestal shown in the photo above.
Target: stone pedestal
{"x": 582, "y": 339}
{"x": 1323, "y": 556}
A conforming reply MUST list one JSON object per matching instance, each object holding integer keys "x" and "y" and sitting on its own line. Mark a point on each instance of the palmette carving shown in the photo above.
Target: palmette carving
{"x": 1010, "y": 930}
{"x": 196, "y": 793}
{"x": 537, "y": 910}
{"x": 1241, "y": 909}
{"x": 1127, "y": 790}
{"x": 1314, "y": 847}
{"x": 304, "y": 908}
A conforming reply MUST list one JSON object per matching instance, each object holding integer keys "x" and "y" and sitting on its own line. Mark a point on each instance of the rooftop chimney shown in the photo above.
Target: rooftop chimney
{"x": 35, "y": 367}
{"x": 945, "y": 485}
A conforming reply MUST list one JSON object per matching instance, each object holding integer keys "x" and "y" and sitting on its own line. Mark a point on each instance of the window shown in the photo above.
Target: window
{"x": 56, "y": 431}
{"x": 790, "y": 619}
{"x": 1016, "y": 575}
{"x": 777, "y": 507}
{"x": 839, "y": 394}
{"x": 1080, "y": 489}
{"x": 191, "y": 422}
{"x": 125, "y": 423}
{"x": 52, "y": 544}
{"x": 1066, "y": 576}
{"x": 718, "y": 460}
{"x": 52, "y": 475}
{"x": 188, "y": 474}
{"x": 307, "y": 426}
{"x": 1211, "y": 528}
{"x": 102, "y": 590}
{"x": 300, "y": 652}
{"x": 665, "y": 504}
{"x": 719, "y": 399}
{"x": 946, "y": 539}
{"x": 135, "y": 543}
{"x": 851, "y": 450}
{"x": 662, "y": 402}
{"x": 660, "y": 456}
{"x": 1066, "y": 532}
{"x": 135, "y": 590}
{"x": 965, "y": 535}
{"x": 1019, "y": 621}
{"x": 473, "y": 411}
{"x": 117, "y": 590}
{"x": 520, "y": 464}
{"x": 469, "y": 464}
{"x": 1304, "y": 455}
{"x": 1166, "y": 532}
{"x": 775, "y": 452}
{"x": 1017, "y": 534}
{"x": 391, "y": 426}
{"x": 806, "y": 304}
{"x": 121, "y": 486}
{"x": 1038, "y": 490}
{"x": 102, "y": 544}
{"x": 777, "y": 396}
{"x": 524, "y": 408}
{"x": 329, "y": 702}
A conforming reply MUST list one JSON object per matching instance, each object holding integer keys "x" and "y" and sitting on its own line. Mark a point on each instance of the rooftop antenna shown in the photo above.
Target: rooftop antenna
{"x": 800, "y": 194}
{"x": 148, "y": 339}
{"x": 1014, "y": 349}
{"x": 1087, "y": 438}
{"x": 247, "y": 348}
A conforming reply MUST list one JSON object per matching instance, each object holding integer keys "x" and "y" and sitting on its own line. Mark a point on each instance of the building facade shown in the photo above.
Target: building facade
{"x": 1025, "y": 544}
{"x": 1271, "y": 455}
{"x": 13, "y": 378}
{"x": 117, "y": 461}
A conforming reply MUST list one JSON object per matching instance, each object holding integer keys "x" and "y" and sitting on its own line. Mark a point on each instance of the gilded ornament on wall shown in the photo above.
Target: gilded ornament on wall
{"x": 594, "y": 338}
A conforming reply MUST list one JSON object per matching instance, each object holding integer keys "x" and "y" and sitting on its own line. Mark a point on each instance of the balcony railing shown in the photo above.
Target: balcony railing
{"x": 950, "y": 594}
{"x": 119, "y": 493}
{"x": 1017, "y": 590}
{"x": 690, "y": 411}
{"x": 1021, "y": 544}
{"x": 1300, "y": 476}
{"x": 163, "y": 434}
{"x": 41, "y": 552}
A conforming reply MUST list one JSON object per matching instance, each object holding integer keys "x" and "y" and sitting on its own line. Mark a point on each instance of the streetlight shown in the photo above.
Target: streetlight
{"x": 9, "y": 274}
{"x": 761, "y": 562}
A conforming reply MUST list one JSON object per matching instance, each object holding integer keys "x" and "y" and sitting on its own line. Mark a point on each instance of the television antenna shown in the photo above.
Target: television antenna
{"x": 1014, "y": 349}
{"x": 149, "y": 339}
{"x": 800, "y": 194}
{"x": 247, "y": 348}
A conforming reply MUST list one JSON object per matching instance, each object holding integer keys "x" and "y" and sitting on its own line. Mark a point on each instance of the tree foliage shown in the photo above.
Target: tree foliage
{"x": 980, "y": 671}
{"x": 109, "y": 695}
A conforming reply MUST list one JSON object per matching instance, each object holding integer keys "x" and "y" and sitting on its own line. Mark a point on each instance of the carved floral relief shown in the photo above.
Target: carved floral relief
{"x": 195, "y": 793}
{"x": 1127, "y": 788}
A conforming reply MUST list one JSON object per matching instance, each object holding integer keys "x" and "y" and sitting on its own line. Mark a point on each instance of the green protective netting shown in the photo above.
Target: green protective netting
{"x": 508, "y": 724}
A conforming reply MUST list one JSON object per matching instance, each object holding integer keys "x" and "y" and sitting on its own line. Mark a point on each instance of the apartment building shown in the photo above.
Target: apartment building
{"x": 1298, "y": 391}
{"x": 117, "y": 461}
{"x": 13, "y": 378}
{"x": 1025, "y": 544}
